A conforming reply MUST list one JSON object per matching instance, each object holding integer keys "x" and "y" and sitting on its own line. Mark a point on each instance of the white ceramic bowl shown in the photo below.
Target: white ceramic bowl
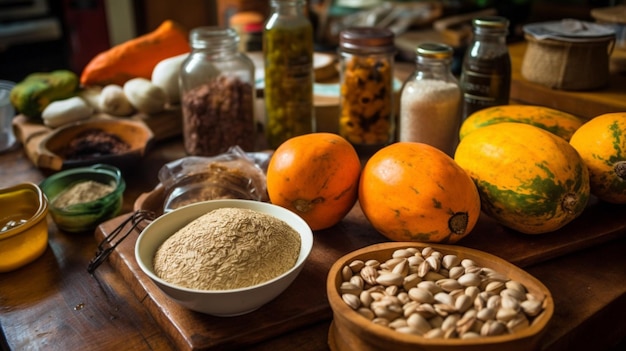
{"x": 220, "y": 302}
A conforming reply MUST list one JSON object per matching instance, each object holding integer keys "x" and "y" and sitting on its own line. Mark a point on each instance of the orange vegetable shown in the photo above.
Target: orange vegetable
{"x": 315, "y": 175}
{"x": 136, "y": 57}
{"x": 415, "y": 192}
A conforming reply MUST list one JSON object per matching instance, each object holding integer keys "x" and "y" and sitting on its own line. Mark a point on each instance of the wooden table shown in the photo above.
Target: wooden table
{"x": 54, "y": 304}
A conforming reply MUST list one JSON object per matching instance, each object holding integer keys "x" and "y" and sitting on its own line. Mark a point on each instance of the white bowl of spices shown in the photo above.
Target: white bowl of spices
{"x": 224, "y": 257}
{"x": 82, "y": 198}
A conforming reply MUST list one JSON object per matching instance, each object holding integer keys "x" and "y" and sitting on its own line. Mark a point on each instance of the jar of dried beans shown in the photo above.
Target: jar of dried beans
{"x": 366, "y": 116}
{"x": 217, "y": 94}
{"x": 430, "y": 101}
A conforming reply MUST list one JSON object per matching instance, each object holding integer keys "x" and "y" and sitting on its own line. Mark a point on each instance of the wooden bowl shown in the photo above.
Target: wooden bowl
{"x": 352, "y": 331}
{"x": 54, "y": 147}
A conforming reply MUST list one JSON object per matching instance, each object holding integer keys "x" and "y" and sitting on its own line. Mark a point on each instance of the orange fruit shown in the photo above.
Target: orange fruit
{"x": 315, "y": 175}
{"x": 415, "y": 192}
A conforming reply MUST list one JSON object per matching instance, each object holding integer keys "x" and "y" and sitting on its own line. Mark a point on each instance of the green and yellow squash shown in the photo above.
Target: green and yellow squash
{"x": 31, "y": 96}
{"x": 601, "y": 143}
{"x": 554, "y": 121}
{"x": 528, "y": 179}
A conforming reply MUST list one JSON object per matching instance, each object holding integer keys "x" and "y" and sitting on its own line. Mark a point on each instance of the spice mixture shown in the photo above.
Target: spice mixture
{"x": 82, "y": 192}
{"x": 228, "y": 248}
{"x": 94, "y": 143}
{"x": 218, "y": 115}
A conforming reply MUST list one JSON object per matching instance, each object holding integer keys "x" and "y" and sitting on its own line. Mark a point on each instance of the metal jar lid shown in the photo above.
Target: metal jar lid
{"x": 494, "y": 22}
{"x": 367, "y": 40}
{"x": 434, "y": 50}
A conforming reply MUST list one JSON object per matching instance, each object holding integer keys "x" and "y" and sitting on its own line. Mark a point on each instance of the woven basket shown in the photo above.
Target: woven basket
{"x": 566, "y": 65}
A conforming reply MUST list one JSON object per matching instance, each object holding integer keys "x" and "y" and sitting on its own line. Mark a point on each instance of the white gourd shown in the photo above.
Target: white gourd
{"x": 61, "y": 112}
{"x": 145, "y": 96}
{"x": 113, "y": 101}
{"x": 165, "y": 75}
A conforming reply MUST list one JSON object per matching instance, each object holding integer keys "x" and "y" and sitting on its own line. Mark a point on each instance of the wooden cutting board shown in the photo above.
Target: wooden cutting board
{"x": 304, "y": 302}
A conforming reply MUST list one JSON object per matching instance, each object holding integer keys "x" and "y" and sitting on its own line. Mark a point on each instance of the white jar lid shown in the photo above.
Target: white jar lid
{"x": 570, "y": 30}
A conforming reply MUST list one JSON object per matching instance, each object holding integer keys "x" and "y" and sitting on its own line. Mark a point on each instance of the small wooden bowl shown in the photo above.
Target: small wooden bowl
{"x": 53, "y": 147}
{"x": 351, "y": 331}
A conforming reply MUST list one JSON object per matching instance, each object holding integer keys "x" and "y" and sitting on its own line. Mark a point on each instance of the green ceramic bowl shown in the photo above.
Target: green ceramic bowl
{"x": 84, "y": 209}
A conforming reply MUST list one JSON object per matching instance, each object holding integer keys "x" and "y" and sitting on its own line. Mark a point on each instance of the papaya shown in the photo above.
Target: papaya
{"x": 557, "y": 122}
{"x": 528, "y": 179}
{"x": 601, "y": 143}
{"x": 33, "y": 94}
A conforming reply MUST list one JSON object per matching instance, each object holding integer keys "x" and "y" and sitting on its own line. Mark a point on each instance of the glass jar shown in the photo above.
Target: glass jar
{"x": 486, "y": 71}
{"x": 288, "y": 59}
{"x": 430, "y": 101}
{"x": 217, "y": 94}
{"x": 366, "y": 101}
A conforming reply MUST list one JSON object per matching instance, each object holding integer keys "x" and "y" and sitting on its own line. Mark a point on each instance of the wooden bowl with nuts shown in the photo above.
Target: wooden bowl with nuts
{"x": 421, "y": 296}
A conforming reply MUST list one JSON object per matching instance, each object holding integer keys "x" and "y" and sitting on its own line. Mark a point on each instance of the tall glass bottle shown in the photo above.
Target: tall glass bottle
{"x": 486, "y": 71}
{"x": 288, "y": 58}
{"x": 430, "y": 101}
{"x": 217, "y": 94}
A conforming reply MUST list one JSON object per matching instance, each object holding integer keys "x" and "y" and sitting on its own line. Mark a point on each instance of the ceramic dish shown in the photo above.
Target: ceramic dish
{"x": 219, "y": 302}
{"x": 84, "y": 216}
{"x": 56, "y": 152}
{"x": 350, "y": 330}
{"x": 23, "y": 225}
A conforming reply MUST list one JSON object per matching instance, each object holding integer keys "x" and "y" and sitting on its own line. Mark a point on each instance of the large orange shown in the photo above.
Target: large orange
{"x": 415, "y": 192}
{"x": 315, "y": 175}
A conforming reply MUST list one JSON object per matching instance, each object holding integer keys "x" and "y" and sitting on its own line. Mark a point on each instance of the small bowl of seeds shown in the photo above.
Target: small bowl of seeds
{"x": 408, "y": 296}
{"x": 224, "y": 257}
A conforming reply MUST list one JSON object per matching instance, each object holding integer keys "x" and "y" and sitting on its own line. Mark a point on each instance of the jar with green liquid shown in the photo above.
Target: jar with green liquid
{"x": 288, "y": 59}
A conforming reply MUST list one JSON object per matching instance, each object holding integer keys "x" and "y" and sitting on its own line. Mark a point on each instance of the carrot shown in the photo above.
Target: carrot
{"x": 136, "y": 57}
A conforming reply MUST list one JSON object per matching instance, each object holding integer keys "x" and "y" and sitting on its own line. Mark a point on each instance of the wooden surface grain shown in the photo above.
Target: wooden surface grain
{"x": 54, "y": 304}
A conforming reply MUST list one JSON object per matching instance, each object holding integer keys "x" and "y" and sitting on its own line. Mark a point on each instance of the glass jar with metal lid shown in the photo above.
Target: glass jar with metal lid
{"x": 366, "y": 98}
{"x": 430, "y": 101}
{"x": 217, "y": 94}
{"x": 486, "y": 71}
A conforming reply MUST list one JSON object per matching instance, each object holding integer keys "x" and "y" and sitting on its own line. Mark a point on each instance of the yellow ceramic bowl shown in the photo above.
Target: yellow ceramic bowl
{"x": 23, "y": 225}
{"x": 84, "y": 216}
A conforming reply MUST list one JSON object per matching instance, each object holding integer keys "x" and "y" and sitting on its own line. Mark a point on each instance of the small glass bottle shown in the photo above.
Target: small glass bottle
{"x": 288, "y": 59}
{"x": 486, "y": 71}
{"x": 366, "y": 97}
{"x": 430, "y": 101}
{"x": 217, "y": 94}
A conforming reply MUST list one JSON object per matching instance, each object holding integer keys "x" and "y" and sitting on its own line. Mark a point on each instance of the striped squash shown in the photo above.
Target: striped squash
{"x": 554, "y": 121}
{"x": 528, "y": 179}
{"x": 601, "y": 143}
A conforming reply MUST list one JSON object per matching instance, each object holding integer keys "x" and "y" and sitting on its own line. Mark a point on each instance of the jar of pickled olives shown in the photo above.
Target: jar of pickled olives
{"x": 288, "y": 59}
{"x": 366, "y": 114}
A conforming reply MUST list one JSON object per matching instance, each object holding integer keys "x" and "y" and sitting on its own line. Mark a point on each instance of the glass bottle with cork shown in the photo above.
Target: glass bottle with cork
{"x": 288, "y": 59}
{"x": 366, "y": 97}
{"x": 430, "y": 101}
{"x": 217, "y": 94}
{"x": 486, "y": 71}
